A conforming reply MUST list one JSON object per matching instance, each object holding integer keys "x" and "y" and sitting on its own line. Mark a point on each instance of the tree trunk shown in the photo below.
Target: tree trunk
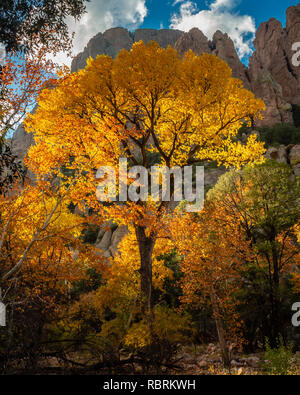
{"x": 220, "y": 329}
{"x": 277, "y": 326}
{"x": 146, "y": 245}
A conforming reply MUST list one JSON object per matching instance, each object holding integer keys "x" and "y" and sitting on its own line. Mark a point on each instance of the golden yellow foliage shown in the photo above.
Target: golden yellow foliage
{"x": 147, "y": 103}
{"x": 213, "y": 250}
{"x": 122, "y": 280}
{"x": 57, "y": 257}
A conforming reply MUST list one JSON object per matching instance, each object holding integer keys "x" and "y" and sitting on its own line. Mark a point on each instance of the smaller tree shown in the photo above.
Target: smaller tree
{"x": 264, "y": 202}
{"x": 22, "y": 78}
{"x": 212, "y": 250}
{"x": 41, "y": 256}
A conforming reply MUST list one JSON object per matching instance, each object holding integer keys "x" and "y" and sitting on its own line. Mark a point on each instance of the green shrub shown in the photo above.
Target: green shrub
{"x": 280, "y": 360}
{"x": 89, "y": 235}
{"x": 280, "y": 134}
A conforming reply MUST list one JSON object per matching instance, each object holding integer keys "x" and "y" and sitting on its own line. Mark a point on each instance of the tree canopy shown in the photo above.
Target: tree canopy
{"x": 146, "y": 103}
{"x": 22, "y": 22}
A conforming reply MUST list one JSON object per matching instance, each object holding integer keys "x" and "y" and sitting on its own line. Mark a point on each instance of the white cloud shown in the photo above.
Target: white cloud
{"x": 219, "y": 16}
{"x": 177, "y": 2}
{"x": 102, "y": 15}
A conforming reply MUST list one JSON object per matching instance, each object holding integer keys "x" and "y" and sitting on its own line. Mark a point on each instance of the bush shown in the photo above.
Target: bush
{"x": 280, "y": 134}
{"x": 279, "y": 360}
{"x": 158, "y": 346}
{"x": 90, "y": 234}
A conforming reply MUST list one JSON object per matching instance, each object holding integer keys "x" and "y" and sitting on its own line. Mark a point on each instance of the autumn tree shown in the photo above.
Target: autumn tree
{"x": 22, "y": 79}
{"x": 264, "y": 202}
{"x": 41, "y": 256}
{"x": 212, "y": 250}
{"x": 149, "y": 106}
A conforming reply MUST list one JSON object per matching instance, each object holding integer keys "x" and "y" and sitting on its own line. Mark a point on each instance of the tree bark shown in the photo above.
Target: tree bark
{"x": 146, "y": 245}
{"x": 277, "y": 327}
{"x": 220, "y": 329}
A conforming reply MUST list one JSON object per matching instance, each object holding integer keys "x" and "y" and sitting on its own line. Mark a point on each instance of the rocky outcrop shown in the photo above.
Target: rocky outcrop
{"x": 164, "y": 37}
{"x": 279, "y": 154}
{"x": 286, "y": 154}
{"x": 294, "y": 158}
{"x": 108, "y": 43}
{"x": 21, "y": 142}
{"x": 111, "y": 41}
{"x": 271, "y": 74}
{"x": 108, "y": 239}
{"x": 221, "y": 45}
{"x": 115, "y": 39}
{"x": 194, "y": 40}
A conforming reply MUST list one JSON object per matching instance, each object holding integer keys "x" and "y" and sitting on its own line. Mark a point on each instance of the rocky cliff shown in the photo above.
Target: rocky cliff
{"x": 270, "y": 75}
{"x": 112, "y": 40}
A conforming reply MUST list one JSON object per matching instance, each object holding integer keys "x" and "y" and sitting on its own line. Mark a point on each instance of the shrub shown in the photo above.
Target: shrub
{"x": 90, "y": 234}
{"x": 280, "y": 359}
{"x": 280, "y": 134}
{"x": 169, "y": 329}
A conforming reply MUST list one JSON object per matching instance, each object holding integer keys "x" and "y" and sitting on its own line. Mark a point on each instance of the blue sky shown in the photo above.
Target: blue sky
{"x": 238, "y": 18}
{"x": 159, "y": 11}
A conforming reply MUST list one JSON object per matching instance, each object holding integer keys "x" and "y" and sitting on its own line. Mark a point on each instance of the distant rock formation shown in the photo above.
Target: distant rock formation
{"x": 115, "y": 39}
{"x": 220, "y": 45}
{"x": 21, "y": 142}
{"x": 270, "y": 75}
{"x": 273, "y": 76}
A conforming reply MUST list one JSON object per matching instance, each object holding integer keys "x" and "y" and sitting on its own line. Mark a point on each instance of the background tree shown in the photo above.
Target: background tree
{"x": 264, "y": 201}
{"x": 41, "y": 256}
{"x": 22, "y": 22}
{"x": 147, "y": 103}
{"x": 212, "y": 250}
{"x": 22, "y": 79}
